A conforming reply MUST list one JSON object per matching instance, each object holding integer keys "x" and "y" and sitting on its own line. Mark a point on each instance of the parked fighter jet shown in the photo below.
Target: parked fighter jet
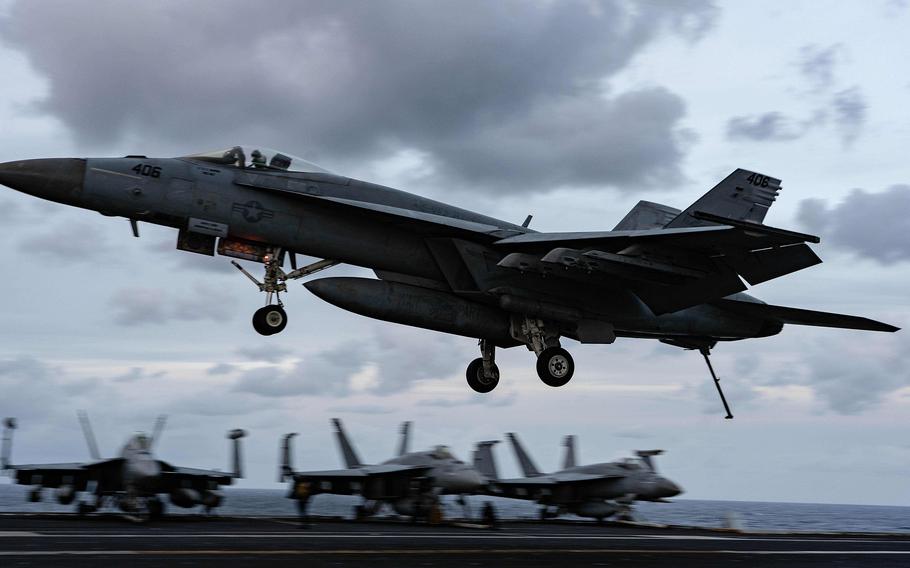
{"x": 132, "y": 481}
{"x": 661, "y": 273}
{"x": 599, "y": 490}
{"x": 410, "y": 482}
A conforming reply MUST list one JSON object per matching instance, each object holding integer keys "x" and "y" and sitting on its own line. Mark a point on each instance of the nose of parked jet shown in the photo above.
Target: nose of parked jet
{"x": 667, "y": 488}
{"x": 55, "y": 179}
{"x": 466, "y": 480}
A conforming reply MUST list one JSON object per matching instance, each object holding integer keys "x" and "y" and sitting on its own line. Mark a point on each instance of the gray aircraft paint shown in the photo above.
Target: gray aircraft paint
{"x": 132, "y": 481}
{"x": 597, "y": 490}
{"x": 402, "y": 481}
{"x": 663, "y": 273}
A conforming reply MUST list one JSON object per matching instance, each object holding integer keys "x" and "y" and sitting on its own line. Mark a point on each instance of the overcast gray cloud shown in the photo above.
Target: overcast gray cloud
{"x": 506, "y": 93}
{"x": 762, "y": 127}
{"x": 871, "y": 225}
{"x": 850, "y": 109}
{"x": 817, "y": 64}
{"x": 140, "y": 306}
{"x": 70, "y": 242}
{"x": 327, "y": 373}
{"x": 265, "y": 352}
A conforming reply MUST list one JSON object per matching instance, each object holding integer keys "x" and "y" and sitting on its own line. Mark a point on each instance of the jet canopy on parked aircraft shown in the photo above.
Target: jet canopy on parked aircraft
{"x": 258, "y": 157}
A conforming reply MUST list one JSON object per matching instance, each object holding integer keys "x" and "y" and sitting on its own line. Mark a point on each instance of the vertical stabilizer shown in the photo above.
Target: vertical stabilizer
{"x": 286, "y": 469}
{"x": 524, "y": 460}
{"x": 569, "y": 459}
{"x": 347, "y": 450}
{"x": 89, "y": 435}
{"x": 158, "y": 429}
{"x": 6, "y": 449}
{"x": 647, "y": 456}
{"x": 647, "y": 215}
{"x": 405, "y": 438}
{"x": 236, "y": 459}
{"x": 484, "y": 462}
{"x": 742, "y": 195}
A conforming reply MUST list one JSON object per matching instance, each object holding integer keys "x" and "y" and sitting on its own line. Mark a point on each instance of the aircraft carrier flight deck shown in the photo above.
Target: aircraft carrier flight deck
{"x": 64, "y": 539}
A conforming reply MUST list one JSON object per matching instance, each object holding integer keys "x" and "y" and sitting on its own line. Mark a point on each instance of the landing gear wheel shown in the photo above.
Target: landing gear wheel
{"x": 476, "y": 378}
{"x": 555, "y": 366}
{"x": 156, "y": 508}
{"x": 270, "y": 320}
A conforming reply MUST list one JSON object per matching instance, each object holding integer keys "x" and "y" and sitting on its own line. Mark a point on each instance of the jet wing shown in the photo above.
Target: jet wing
{"x": 57, "y": 474}
{"x": 173, "y": 476}
{"x": 669, "y": 269}
{"x": 450, "y": 224}
{"x": 380, "y": 479}
{"x": 536, "y": 487}
{"x": 798, "y": 316}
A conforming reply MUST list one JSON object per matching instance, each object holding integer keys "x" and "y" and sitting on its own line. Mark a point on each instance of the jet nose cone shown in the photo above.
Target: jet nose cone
{"x": 668, "y": 489}
{"x": 56, "y": 179}
{"x": 467, "y": 480}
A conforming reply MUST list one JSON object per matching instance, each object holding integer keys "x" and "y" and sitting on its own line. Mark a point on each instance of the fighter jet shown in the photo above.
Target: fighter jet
{"x": 662, "y": 273}
{"x": 599, "y": 490}
{"x": 410, "y": 482}
{"x": 133, "y": 481}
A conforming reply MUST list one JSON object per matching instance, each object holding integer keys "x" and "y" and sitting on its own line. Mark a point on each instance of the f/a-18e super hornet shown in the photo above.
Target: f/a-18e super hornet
{"x": 410, "y": 482}
{"x": 598, "y": 490}
{"x": 133, "y": 481}
{"x": 661, "y": 273}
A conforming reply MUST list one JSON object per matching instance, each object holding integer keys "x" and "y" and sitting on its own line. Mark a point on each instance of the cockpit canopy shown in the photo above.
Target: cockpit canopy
{"x": 260, "y": 158}
{"x": 442, "y": 453}
{"x": 139, "y": 442}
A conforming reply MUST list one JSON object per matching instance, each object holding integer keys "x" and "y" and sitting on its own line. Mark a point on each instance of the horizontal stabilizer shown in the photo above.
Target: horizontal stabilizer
{"x": 797, "y": 316}
{"x": 647, "y": 215}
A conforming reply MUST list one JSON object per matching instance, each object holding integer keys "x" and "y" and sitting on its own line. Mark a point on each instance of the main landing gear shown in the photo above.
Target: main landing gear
{"x": 555, "y": 365}
{"x": 271, "y": 318}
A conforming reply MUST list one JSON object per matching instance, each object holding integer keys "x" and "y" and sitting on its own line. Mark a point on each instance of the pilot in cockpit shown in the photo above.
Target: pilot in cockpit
{"x": 258, "y": 160}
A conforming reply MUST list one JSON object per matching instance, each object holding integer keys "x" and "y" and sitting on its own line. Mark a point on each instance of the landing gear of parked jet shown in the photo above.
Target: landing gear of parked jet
{"x": 482, "y": 373}
{"x": 271, "y": 318}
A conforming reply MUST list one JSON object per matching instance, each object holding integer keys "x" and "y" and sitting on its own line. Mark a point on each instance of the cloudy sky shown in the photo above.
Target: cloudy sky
{"x": 572, "y": 111}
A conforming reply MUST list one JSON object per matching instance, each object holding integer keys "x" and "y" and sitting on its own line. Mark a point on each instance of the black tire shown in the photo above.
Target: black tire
{"x": 555, "y": 366}
{"x": 156, "y": 508}
{"x": 270, "y": 320}
{"x": 476, "y": 379}
{"x": 83, "y": 508}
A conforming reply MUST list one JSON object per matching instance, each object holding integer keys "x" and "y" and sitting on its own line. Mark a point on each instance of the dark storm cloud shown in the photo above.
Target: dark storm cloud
{"x": 494, "y": 93}
{"x": 850, "y": 110}
{"x": 870, "y": 225}
{"x": 817, "y": 64}
{"x": 141, "y": 306}
{"x": 767, "y": 126}
{"x": 27, "y": 383}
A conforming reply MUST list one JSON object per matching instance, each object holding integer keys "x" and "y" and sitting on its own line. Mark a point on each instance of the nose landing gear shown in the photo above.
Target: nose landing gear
{"x": 272, "y": 318}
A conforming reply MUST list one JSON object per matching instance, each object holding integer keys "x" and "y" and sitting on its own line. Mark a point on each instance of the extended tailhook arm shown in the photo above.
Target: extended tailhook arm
{"x": 706, "y": 352}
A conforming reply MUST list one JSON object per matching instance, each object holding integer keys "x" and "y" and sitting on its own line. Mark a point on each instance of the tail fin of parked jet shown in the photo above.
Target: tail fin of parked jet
{"x": 89, "y": 435}
{"x": 569, "y": 459}
{"x": 286, "y": 469}
{"x": 236, "y": 459}
{"x": 347, "y": 450}
{"x": 741, "y": 196}
{"x": 484, "y": 462}
{"x": 647, "y": 456}
{"x": 524, "y": 460}
{"x": 6, "y": 450}
{"x": 157, "y": 430}
{"x": 405, "y": 438}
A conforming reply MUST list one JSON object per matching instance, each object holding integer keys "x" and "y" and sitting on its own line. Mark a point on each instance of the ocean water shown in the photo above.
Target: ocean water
{"x": 754, "y": 516}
